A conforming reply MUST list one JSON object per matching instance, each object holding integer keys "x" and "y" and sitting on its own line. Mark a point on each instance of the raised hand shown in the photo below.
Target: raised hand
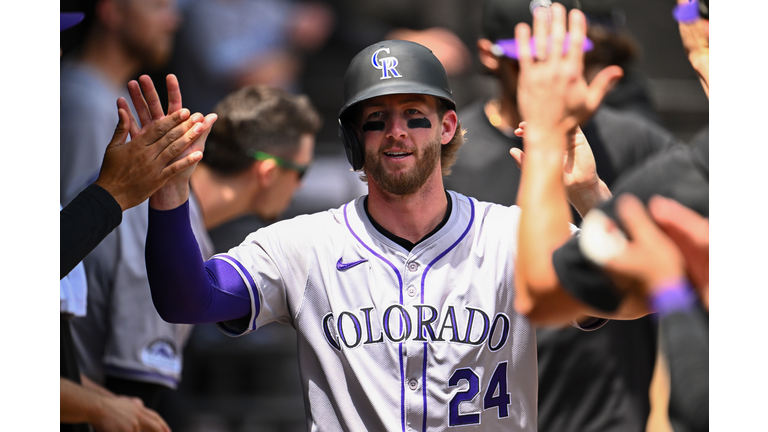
{"x": 131, "y": 172}
{"x": 695, "y": 37}
{"x": 150, "y": 111}
{"x": 552, "y": 90}
{"x": 147, "y": 104}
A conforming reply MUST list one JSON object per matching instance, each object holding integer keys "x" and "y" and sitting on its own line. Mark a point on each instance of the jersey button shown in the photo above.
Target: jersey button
{"x": 413, "y": 266}
{"x": 413, "y": 384}
{"x": 411, "y": 291}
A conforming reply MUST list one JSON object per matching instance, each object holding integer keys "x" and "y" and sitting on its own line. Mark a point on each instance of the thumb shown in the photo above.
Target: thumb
{"x": 602, "y": 83}
{"x": 121, "y": 130}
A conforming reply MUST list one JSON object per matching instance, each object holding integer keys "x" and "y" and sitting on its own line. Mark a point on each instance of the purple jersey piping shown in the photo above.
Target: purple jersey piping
{"x": 423, "y": 279}
{"x": 251, "y": 286}
{"x": 400, "y": 282}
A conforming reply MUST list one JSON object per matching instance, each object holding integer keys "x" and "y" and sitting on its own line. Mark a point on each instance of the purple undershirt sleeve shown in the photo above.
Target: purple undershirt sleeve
{"x": 184, "y": 288}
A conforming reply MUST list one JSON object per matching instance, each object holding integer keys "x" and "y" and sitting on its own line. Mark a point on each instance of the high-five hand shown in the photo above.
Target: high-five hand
{"x": 147, "y": 104}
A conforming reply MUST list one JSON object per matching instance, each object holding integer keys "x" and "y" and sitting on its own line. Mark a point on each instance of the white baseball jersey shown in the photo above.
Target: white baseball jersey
{"x": 391, "y": 340}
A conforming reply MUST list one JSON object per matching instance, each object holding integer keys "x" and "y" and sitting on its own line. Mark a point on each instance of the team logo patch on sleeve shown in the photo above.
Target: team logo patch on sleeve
{"x": 161, "y": 354}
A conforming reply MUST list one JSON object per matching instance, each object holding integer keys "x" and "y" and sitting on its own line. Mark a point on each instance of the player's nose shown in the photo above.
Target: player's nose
{"x": 396, "y": 128}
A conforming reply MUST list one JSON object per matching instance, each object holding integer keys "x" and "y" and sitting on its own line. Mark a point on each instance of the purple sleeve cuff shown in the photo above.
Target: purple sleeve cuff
{"x": 674, "y": 296}
{"x": 185, "y": 289}
{"x": 686, "y": 13}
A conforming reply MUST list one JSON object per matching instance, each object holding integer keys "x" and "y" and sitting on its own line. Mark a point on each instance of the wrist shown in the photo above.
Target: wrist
{"x": 171, "y": 195}
{"x": 672, "y": 295}
{"x": 586, "y": 196}
{"x": 545, "y": 133}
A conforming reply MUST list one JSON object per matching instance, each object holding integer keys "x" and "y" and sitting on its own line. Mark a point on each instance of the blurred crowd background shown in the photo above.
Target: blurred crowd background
{"x": 251, "y": 383}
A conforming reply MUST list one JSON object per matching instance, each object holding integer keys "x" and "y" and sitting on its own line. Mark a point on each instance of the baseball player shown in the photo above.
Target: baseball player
{"x": 403, "y": 300}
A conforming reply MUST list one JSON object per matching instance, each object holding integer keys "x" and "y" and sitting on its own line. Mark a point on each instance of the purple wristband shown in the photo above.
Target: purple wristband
{"x": 686, "y": 13}
{"x": 673, "y": 296}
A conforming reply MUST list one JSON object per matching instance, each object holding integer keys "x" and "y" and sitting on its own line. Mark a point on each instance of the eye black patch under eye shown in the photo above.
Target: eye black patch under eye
{"x": 419, "y": 123}
{"x": 373, "y": 126}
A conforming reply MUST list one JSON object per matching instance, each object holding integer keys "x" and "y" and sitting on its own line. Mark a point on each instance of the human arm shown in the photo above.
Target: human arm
{"x": 554, "y": 99}
{"x": 695, "y": 36}
{"x": 130, "y": 172}
{"x": 184, "y": 288}
{"x": 91, "y": 385}
{"x": 584, "y": 188}
{"x": 667, "y": 242}
{"x": 175, "y": 191}
{"x": 106, "y": 413}
{"x": 657, "y": 262}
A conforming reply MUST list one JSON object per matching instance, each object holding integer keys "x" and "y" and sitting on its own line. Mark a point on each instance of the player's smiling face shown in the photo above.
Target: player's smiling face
{"x": 402, "y": 137}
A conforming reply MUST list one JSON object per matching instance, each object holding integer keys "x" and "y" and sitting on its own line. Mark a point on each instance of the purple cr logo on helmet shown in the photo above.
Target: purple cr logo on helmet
{"x": 416, "y": 69}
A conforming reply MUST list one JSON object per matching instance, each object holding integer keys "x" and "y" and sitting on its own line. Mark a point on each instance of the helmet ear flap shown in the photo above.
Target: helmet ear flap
{"x": 352, "y": 145}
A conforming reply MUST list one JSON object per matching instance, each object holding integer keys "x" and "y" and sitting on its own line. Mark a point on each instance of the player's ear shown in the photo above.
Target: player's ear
{"x": 265, "y": 172}
{"x": 487, "y": 58}
{"x": 450, "y": 121}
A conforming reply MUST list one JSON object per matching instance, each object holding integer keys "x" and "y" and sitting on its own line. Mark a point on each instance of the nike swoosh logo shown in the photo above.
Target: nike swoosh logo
{"x": 341, "y": 266}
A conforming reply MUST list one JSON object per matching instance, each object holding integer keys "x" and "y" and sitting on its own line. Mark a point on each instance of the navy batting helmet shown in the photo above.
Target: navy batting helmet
{"x": 385, "y": 68}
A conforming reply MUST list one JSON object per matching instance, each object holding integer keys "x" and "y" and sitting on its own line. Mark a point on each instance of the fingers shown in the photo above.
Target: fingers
{"x": 198, "y": 134}
{"x": 557, "y": 11}
{"x": 518, "y": 155}
{"x": 122, "y": 128}
{"x": 139, "y": 104}
{"x": 168, "y": 129}
{"x": 520, "y": 131}
{"x": 133, "y": 127}
{"x": 637, "y": 222}
{"x": 182, "y": 164}
{"x": 150, "y": 94}
{"x": 208, "y": 122}
{"x": 150, "y": 421}
{"x": 174, "y": 93}
{"x": 682, "y": 224}
{"x": 540, "y": 30}
{"x": 523, "y": 40}
{"x": 179, "y": 138}
{"x": 666, "y": 210}
{"x": 577, "y": 30}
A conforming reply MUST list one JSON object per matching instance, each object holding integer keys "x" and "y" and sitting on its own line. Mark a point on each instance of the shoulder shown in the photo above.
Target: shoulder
{"x": 484, "y": 212}
{"x": 305, "y": 229}
{"x": 78, "y": 79}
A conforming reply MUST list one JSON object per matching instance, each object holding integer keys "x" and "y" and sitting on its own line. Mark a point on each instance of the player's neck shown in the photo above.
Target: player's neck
{"x": 410, "y": 216}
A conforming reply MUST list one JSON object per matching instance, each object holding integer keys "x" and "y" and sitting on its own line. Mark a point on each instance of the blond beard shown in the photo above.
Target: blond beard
{"x": 404, "y": 183}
